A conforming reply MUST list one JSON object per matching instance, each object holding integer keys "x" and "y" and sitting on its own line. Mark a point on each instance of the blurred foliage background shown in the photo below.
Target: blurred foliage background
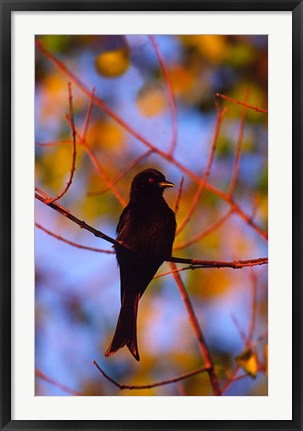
{"x": 77, "y": 291}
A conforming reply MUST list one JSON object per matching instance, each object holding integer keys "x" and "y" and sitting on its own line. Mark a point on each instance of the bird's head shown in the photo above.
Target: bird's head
{"x": 149, "y": 182}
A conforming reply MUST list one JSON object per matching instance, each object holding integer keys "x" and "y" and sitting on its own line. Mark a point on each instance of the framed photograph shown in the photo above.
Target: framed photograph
{"x": 151, "y": 215}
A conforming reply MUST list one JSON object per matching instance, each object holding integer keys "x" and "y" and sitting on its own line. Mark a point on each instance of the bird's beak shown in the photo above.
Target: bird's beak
{"x": 164, "y": 184}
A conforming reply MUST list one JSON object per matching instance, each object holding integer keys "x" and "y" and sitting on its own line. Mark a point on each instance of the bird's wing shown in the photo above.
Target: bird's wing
{"x": 123, "y": 219}
{"x": 171, "y": 227}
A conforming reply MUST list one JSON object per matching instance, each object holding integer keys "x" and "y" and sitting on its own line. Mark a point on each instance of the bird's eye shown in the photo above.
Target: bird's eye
{"x": 151, "y": 180}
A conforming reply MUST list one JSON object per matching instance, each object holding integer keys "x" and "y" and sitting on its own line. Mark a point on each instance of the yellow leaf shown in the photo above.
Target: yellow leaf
{"x": 106, "y": 134}
{"x": 54, "y": 98}
{"x": 182, "y": 79}
{"x": 213, "y": 47}
{"x": 54, "y": 167}
{"x": 248, "y": 361}
{"x": 151, "y": 101}
{"x": 113, "y": 63}
{"x": 214, "y": 284}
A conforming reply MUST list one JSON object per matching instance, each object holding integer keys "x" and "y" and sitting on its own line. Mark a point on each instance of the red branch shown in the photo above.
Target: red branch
{"x": 73, "y": 131}
{"x": 231, "y": 379}
{"x": 74, "y": 244}
{"x": 206, "y": 232}
{"x": 99, "y": 102}
{"x": 236, "y": 167}
{"x": 201, "y": 187}
{"x": 247, "y": 340}
{"x": 43, "y": 197}
{"x": 88, "y": 115}
{"x": 198, "y": 331}
{"x": 54, "y": 382}
{"x": 151, "y": 385}
{"x": 131, "y": 165}
{"x": 180, "y": 190}
{"x": 170, "y": 94}
{"x": 255, "y": 108}
{"x": 238, "y": 327}
{"x": 253, "y": 317}
{"x": 99, "y": 168}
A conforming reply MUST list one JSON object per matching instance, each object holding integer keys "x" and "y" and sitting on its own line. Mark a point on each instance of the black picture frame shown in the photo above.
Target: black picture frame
{"x": 7, "y": 7}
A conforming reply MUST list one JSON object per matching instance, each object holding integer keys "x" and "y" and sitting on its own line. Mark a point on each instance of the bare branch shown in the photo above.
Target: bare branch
{"x": 255, "y": 204}
{"x": 99, "y": 168}
{"x": 54, "y": 382}
{"x": 96, "y": 163}
{"x": 72, "y": 126}
{"x": 198, "y": 331}
{"x": 180, "y": 190}
{"x": 88, "y": 115}
{"x": 170, "y": 94}
{"x": 247, "y": 340}
{"x": 255, "y": 108}
{"x": 53, "y": 143}
{"x": 164, "y": 274}
{"x": 236, "y": 167}
{"x": 253, "y": 317}
{"x": 201, "y": 187}
{"x": 41, "y": 196}
{"x": 131, "y": 165}
{"x": 99, "y": 102}
{"x": 74, "y": 244}
{"x": 238, "y": 327}
{"x": 206, "y": 232}
{"x": 236, "y": 264}
{"x": 231, "y": 379}
{"x": 151, "y": 385}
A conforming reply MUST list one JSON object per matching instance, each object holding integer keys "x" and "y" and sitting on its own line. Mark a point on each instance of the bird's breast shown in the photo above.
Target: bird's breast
{"x": 148, "y": 230}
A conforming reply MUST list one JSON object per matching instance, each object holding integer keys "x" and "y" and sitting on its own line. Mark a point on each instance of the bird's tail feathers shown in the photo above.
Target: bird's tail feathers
{"x": 126, "y": 329}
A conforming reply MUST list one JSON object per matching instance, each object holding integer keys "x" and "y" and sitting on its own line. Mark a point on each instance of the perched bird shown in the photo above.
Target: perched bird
{"x": 147, "y": 227}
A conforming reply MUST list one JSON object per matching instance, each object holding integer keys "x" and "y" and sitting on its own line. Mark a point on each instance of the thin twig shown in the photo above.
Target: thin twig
{"x": 201, "y": 187}
{"x": 247, "y": 340}
{"x": 131, "y": 165}
{"x": 170, "y": 94}
{"x": 212, "y": 264}
{"x": 41, "y": 196}
{"x": 151, "y": 385}
{"x": 198, "y": 331}
{"x": 88, "y": 115}
{"x": 54, "y": 382}
{"x": 74, "y": 244}
{"x": 205, "y": 233}
{"x": 164, "y": 274}
{"x": 180, "y": 190}
{"x": 236, "y": 167}
{"x": 99, "y": 102}
{"x": 230, "y": 379}
{"x": 238, "y": 327}
{"x": 255, "y": 203}
{"x": 253, "y": 317}
{"x": 99, "y": 168}
{"x": 73, "y": 132}
{"x": 236, "y": 264}
{"x": 255, "y": 108}
{"x": 53, "y": 143}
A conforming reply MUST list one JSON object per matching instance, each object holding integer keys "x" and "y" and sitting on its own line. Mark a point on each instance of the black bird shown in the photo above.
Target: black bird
{"x": 147, "y": 226}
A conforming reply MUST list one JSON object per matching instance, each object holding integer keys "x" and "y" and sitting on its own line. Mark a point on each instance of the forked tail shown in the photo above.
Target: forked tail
{"x": 126, "y": 329}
